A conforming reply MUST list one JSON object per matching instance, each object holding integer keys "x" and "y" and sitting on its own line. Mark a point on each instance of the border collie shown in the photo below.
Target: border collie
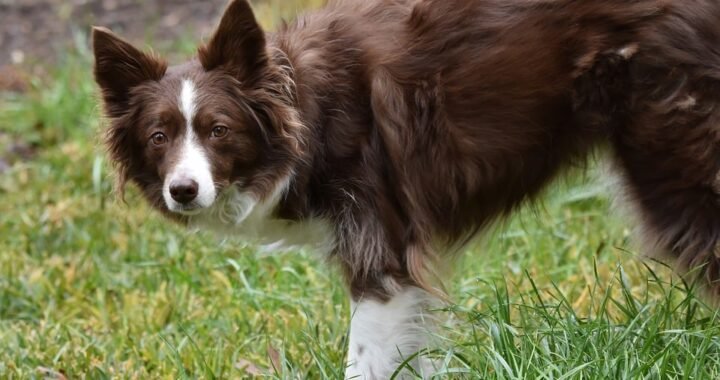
{"x": 387, "y": 133}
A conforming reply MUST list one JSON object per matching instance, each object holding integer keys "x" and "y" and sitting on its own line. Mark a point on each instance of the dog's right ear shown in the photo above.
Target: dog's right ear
{"x": 119, "y": 67}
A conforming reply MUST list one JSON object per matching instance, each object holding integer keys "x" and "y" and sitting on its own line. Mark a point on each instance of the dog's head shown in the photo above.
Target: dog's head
{"x": 189, "y": 134}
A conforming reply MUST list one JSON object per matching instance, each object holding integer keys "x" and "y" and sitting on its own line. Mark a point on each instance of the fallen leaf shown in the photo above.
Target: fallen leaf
{"x": 249, "y": 367}
{"x": 274, "y": 356}
{"x": 50, "y": 374}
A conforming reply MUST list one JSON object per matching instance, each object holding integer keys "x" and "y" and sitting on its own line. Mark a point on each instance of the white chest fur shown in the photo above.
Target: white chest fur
{"x": 240, "y": 216}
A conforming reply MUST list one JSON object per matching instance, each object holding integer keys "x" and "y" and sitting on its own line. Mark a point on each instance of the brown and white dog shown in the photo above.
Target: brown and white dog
{"x": 389, "y": 132}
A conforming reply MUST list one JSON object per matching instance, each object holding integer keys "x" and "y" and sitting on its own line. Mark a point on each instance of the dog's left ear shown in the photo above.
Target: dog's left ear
{"x": 238, "y": 44}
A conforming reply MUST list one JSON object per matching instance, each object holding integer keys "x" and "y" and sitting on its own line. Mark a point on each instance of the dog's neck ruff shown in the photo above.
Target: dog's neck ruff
{"x": 245, "y": 216}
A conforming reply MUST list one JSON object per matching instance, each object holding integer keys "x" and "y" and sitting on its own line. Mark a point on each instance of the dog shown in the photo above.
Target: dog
{"x": 388, "y": 133}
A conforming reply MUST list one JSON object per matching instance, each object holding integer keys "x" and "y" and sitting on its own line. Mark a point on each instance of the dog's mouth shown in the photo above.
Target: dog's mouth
{"x": 204, "y": 203}
{"x": 187, "y": 209}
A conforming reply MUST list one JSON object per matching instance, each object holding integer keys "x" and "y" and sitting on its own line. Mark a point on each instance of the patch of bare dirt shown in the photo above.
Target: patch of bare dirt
{"x": 39, "y": 31}
{"x": 13, "y": 79}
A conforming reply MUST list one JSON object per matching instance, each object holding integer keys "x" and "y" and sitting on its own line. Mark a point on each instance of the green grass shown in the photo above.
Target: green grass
{"x": 91, "y": 287}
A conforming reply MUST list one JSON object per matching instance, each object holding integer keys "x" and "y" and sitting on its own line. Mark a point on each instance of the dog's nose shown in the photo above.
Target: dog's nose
{"x": 184, "y": 191}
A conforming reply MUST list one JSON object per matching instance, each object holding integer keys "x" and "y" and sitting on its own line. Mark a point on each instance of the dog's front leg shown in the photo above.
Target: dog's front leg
{"x": 387, "y": 333}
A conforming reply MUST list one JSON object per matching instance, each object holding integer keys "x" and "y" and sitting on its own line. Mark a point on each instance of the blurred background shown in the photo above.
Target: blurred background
{"x": 93, "y": 287}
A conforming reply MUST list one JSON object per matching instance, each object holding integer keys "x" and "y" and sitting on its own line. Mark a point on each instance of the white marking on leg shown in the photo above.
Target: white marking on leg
{"x": 384, "y": 335}
{"x": 193, "y": 163}
{"x": 628, "y": 51}
{"x": 687, "y": 103}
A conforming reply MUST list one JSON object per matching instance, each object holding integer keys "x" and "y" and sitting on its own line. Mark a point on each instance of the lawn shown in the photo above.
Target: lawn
{"x": 93, "y": 287}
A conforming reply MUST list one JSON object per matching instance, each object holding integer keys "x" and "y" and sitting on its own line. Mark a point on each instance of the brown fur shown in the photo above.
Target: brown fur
{"x": 413, "y": 124}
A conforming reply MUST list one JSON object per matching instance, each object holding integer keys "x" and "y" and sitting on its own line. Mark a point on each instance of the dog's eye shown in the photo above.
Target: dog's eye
{"x": 158, "y": 138}
{"x": 219, "y": 131}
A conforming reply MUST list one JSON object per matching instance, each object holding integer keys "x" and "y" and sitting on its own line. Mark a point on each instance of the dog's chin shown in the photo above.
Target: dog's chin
{"x": 191, "y": 209}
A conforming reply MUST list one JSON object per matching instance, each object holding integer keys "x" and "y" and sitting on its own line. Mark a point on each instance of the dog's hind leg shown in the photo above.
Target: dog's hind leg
{"x": 663, "y": 121}
{"x": 669, "y": 153}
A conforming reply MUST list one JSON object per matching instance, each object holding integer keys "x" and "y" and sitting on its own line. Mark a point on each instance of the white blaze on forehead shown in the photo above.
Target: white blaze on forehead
{"x": 187, "y": 102}
{"x": 193, "y": 163}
